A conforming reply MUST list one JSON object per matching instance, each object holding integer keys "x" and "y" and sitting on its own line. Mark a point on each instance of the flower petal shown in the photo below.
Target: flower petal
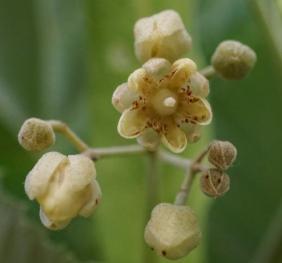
{"x": 180, "y": 72}
{"x": 141, "y": 82}
{"x": 199, "y": 85}
{"x": 131, "y": 123}
{"x": 192, "y": 131}
{"x": 196, "y": 111}
{"x": 149, "y": 139}
{"x": 123, "y": 97}
{"x": 157, "y": 67}
{"x": 174, "y": 139}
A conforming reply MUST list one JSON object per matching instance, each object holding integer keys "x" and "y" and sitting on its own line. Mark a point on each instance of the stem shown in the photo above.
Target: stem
{"x": 152, "y": 198}
{"x": 208, "y": 72}
{"x": 174, "y": 160}
{"x": 98, "y": 153}
{"x": 64, "y": 129}
{"x": 186, "y": 185}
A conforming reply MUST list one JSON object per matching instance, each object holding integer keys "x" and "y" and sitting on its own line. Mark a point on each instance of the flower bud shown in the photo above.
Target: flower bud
{"x": 36, "y": 135}
{"x": 172, "y": 230}
{"x": 222, "y": 154}
{"x": 161, "y": 35}
{"x": 64, "y": 186}
{"x": 214, "y": 183}
{"x": 233, "y": 60}
{"x": 123, "y": 97}
{"x": 149, "y": 139}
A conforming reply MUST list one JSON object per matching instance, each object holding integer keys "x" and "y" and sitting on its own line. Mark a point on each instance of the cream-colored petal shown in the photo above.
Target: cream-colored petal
{"x": 175, "y": 139}
{"x": 80, "y": 172}
{"x": 92, "y": 203}
{"x": 141, "y": 82}
{"x": 52, "y": 225}
{"x": 149, "y": 139}
{"x": 131, "y": 123}
{"x": 197, "y": 111}
{"x": 192, "y": 131}
{"x": 37, "y": 181}
{"x": 181, "y": 70}
{"x": 123, "y": 97}
{"x": 199, "y": 85}
{"x": 157, "y": 67}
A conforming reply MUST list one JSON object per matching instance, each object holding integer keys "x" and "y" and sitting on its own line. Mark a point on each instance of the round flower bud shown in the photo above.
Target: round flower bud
{"x": 172, "y": 230}
{"x": 64, "y": 186}
{"x": 214, "y": 183}
{"x": 222, "y": 154}
{"x": 161, "y": 35}
{"x": 233, "y": 60}
{"x": 36, "y": 135}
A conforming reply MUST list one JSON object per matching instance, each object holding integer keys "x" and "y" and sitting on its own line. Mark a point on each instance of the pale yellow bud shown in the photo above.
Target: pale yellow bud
{"x": 172, "y": 230}
{"x": 215, "y": 183}
{"x": 222, "y": 154}
{"x": 64, "y": 186}
{"x": 233, "y": 60}
{"x": 161, "y": 35}
{"x": 36, "y": 135}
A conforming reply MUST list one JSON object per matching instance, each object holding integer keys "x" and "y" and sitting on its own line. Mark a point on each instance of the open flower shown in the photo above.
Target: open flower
{"x": 163, "y": 98}
{"x": 64, "y": 186}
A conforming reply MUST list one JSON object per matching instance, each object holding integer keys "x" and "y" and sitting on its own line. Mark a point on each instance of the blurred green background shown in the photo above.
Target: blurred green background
{"x": 62, "y": 59}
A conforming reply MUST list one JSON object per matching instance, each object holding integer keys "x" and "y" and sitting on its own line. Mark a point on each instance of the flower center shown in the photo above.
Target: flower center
{"x": 164, "y": 102}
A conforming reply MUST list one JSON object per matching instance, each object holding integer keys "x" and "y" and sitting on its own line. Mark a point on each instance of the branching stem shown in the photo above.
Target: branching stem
{"x": 65, "y": 130}
{"x": 186, "y": 185}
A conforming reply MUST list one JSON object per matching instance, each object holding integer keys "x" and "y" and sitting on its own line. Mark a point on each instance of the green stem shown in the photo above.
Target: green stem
{"x": 152, "y": 199}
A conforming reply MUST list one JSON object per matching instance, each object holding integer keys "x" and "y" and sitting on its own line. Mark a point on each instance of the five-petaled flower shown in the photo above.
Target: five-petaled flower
{"x": 167, "y": 100}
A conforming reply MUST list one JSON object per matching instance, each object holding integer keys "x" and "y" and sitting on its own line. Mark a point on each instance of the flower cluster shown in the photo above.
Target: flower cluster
{"x": 164, "y": 99}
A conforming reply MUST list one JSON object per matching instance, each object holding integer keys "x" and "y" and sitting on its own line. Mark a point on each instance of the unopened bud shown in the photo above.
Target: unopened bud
{"x": 233, "y": 60}
{"x": 222, "y": 154}
{"x": 36, "y": 135}
{"x": 172, "y": 230}
{"x": 161, "y": 35}
{"x": 214, "y": 183}
{"x": 64, "y": 186}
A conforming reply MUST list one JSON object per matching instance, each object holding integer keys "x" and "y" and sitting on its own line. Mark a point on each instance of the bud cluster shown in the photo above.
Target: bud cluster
{"x": 215, "y": 182}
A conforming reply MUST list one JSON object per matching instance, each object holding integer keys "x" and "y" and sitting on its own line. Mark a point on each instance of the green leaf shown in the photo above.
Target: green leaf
{"x": 248, "y": 114}
{"x": 21, "y": 241}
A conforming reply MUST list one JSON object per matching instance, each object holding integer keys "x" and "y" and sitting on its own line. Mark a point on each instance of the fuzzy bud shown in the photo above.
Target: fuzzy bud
{"x": 214, "y": 183}
{"x": 36, "y": 135}
{"x": 222, "y": 154}
{"x": 172, "y": 230}
{"x": 64, "y": 186}
{"x": 233, "y": 60}
{"x": 161, "y": 35}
